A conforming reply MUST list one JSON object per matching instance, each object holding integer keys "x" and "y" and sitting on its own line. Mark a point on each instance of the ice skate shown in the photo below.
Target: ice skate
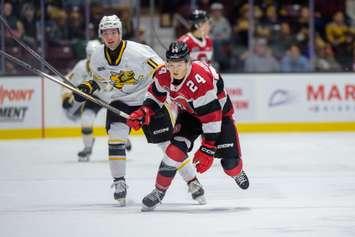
{"x": 120, "y": 191}
{"x": 84, "y": 155}
{"x": 197, "y": 191}
{"x": 152, "y": 200}
{"x": 242, "y": 180}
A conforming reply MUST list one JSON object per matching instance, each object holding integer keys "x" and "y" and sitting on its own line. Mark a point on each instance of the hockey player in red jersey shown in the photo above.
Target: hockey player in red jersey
{"x": 197, "y": 40}
{"x": 204, "y": 109}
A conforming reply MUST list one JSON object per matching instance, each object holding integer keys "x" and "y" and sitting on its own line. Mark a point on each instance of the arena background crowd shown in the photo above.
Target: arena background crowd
{"x": 249, "y": 35}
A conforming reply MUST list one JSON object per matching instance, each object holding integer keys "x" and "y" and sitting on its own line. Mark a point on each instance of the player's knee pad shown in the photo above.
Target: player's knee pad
{"x": 118, "y": 134}
{"x": 232, "y": 167}
{"x": 116, "y": 151}
{"x": 163, "y": 145}
{"x": 165, "y": 176}
{"x": 87, "y": 118}
{"x": 86, "y": 130}
{"x": 183, "y": 143}
{"x": 167, "y": 170}
{"x": 118, "y": 131}
{"x": 174, "y": 156}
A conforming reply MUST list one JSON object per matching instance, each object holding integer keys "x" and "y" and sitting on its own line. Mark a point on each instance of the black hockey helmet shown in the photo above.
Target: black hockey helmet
{"x": 197, "y": 17}
{"x": 178, "y": 51}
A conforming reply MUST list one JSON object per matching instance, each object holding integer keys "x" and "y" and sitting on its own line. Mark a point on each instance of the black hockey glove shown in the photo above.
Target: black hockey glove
{"x": 67, "y": 102}
{"x": 88, "y": 87}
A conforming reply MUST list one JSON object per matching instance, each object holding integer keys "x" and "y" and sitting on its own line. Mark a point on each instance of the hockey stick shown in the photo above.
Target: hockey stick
{"x": 34, "y": 53}
{"x": 73, "y": 89}
{"x": 49, "y": 66}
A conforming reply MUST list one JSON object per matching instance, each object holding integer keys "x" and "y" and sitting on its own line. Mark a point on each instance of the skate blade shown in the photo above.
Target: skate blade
{"x": 201, "y": 200}
{"x": 147, "y": 209}
{"x": 84, "y": 159}
{"x": 121, "y": 202}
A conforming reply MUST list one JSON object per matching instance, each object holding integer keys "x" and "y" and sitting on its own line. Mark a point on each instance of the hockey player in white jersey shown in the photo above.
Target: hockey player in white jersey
{"x": 123, "y": 70}
{"x": 85, "y": 111}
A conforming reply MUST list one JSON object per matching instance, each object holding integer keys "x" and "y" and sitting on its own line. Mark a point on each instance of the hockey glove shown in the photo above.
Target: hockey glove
{"x": 88, "y": 87}
{"x": 140, "y": 117}
{"x": 68, "y": 101}
{"x": 203, "y": 158}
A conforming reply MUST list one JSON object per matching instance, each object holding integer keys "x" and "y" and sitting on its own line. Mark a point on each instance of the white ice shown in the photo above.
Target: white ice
{"x": 301, "y": 185}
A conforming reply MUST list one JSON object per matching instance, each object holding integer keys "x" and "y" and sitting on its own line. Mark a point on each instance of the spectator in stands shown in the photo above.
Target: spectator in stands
{"x": 337, "y": 30}
{"x": 327, "y": 8}
{"x": 221, "y": 34}
{"x": 340, "y": 37}
{"x": 27, "y": 17}
{"x": 300, "y": 26}
{"x": 294, "y": 61}
{"x": 302, "y": 21}
{"x": 141, "y": 36}
{"x": 260, "y": 30}
{"x": 350, "y": 11}
{"x": 282, "y": 40}
{"x": 127, "y": 24}
{"x": 76, "y": 33}
{"x": 261, "y": 59}
{"x": 325, "y": 61}
{"x": 92, "y": 31}
{"x": 271, "y": 17}
{"x": 241, "y": 27}
{"x": 14, "y": 23}
{"x": 76, "y": 27}
{"x": 59, "y": 32}
{"x": 271, "y": 23}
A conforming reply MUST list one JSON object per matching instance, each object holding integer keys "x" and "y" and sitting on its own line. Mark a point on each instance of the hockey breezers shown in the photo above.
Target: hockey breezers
{"x": 72, "y": 88}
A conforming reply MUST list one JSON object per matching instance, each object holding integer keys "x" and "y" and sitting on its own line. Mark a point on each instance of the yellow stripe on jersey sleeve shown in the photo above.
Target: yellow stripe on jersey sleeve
{"x": 152, "y": 63}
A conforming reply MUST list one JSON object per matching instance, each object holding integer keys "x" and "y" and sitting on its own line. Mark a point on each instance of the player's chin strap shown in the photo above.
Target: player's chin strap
{"x": 73, "y": 89}
{"x": 43, "y": 61}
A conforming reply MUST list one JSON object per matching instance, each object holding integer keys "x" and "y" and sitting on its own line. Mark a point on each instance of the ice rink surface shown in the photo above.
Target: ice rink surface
{"x": 301, "y": 185}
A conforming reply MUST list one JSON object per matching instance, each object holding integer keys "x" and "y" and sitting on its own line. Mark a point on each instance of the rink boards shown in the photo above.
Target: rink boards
{"x": 31, "y": 107}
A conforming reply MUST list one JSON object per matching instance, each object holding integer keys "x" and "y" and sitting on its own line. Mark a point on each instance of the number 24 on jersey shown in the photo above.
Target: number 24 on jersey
{"x": 191, "y": 85}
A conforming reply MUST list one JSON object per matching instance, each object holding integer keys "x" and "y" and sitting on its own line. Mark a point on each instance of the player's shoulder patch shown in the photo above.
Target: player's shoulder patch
{"x": 183, "y": 38}
{"x": 204, "y": 66}
{"x": 162, "y": 71}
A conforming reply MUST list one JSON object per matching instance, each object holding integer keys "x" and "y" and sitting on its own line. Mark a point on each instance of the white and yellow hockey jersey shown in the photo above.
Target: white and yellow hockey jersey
{"x": 127, "y": 76}
{"x": 80, "y": 73}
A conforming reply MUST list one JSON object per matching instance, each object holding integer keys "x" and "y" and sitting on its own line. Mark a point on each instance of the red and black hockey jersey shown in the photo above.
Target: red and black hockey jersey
{"x": 201, "y": 93}
{"x": 200, "y": 50}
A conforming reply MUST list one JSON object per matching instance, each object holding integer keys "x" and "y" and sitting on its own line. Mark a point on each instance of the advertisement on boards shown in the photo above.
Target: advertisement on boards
{"x": 20, "y": 102}
{"x": 241, "y": 91}
{"x": 307, "y": 97}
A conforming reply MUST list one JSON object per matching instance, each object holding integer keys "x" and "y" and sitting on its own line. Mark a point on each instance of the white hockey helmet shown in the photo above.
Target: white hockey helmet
{"x": 90, "y": 47}
{"x": 110, "y": 22}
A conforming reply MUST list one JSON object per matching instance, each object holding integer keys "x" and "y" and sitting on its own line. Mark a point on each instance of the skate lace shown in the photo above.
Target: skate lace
{"x": 240, "y": 178}
{"x": 155, "y": 195}
{"x": 194, "y": 186}
{"x": 120, "y": 186}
